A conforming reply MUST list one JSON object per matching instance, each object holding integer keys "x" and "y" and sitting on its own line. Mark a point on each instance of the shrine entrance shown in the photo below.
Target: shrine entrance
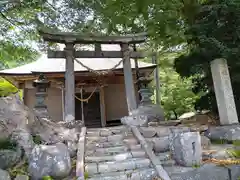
{"x": 91, "y": 112}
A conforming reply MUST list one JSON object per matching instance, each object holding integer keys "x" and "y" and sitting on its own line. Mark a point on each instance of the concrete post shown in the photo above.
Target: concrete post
{"x": 223, "y": 92}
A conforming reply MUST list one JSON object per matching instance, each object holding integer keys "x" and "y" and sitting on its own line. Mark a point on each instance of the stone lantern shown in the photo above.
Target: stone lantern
{"x": 41, "y": 84}
{"x": 145, "y": 91}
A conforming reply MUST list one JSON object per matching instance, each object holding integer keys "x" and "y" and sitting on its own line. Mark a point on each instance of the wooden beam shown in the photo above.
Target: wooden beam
{"x": 69, "y": 84}
{"x": 128, "y": 79}
{"x": 74, "y": 37}
{"x": 95, "y": 54}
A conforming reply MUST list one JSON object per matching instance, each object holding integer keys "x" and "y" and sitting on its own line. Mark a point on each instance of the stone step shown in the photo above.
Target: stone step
{"x": 117, "y": 157}
{"x": 106, "y": 132}
{"x": 126, "y": 141}
{"x": 100, "y": 139}
{"x": 137, "y": 174}
{"x": 112, "y": 150}
{"x": 115, "y": 166}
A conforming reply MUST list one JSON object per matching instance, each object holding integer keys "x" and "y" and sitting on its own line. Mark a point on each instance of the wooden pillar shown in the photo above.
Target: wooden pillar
{"x": 69, "y": 84}
{"x": 128, "y": 78}
{"x": 102, "y": 107}
{"x": 156, "y": 77}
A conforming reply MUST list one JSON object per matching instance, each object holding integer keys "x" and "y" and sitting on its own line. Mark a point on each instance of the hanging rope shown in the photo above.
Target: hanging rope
{"x": 88, "y": 98}
{"x": 82, "y": 100}
{"x": 97, "y": 72}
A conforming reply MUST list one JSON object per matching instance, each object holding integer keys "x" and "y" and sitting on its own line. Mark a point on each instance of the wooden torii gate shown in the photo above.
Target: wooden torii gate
{"x": 70, "y": 39}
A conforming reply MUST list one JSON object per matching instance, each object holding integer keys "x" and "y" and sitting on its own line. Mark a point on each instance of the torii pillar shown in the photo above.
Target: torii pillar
{"x": 69, "y": 83}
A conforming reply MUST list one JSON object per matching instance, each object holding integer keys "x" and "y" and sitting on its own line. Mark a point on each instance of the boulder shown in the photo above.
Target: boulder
{"x": 229, "y": 133}
{"x": 9, "y": 157}
{"x": 160, "y": 144}
{"x": 49, "y": 160}
{"x": 139, "y": 120}
{"x": 4, "y": 175}
{"x": 153, "y": 112}
{"x": 147, "y": 132}
{"x": 186, "y": 148}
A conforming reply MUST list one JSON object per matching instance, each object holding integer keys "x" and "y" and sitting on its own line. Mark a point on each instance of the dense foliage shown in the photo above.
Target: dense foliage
{"x": 212, "y": 33}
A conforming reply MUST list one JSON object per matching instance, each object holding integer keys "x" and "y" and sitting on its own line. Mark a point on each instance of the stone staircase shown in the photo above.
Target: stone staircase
{"x": 115, "y": 154}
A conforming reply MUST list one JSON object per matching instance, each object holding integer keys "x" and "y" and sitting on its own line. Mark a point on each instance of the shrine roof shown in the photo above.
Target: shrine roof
{"x": 57, "y": 65}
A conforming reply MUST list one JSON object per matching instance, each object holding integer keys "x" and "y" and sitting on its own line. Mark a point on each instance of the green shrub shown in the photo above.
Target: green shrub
{"x": 37, "y": 139}
{"x": 8, "y": 144}
{"x": 6, "y": 88}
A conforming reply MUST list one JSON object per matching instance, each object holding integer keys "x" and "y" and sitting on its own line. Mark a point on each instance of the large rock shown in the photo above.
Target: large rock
{"x": 152, "y": 111}
{"x": 229, "y": 133}
{"x": 186, "y": 148}
{"x": 139, "y": 120}
{"x": 160, "y": 144}
{"x": 4, "y": 175}
{"x": 13, "y": 114}
{"x": 9, "y": 157}
{"x": 50, "y": 160}
{"x": 209, "y": 172}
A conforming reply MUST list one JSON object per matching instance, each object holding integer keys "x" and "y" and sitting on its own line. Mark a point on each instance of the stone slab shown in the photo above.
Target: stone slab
{"x": 123, "y": 165}
{"x": 223, "y": 91}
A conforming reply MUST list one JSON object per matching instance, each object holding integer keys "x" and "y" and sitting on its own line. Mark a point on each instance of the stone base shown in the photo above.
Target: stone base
{"x": 228, "y": 133}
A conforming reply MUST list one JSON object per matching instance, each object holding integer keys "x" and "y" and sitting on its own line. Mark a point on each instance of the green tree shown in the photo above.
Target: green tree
{"x": 177, "y": 96}
{"x": 212, "y": 33}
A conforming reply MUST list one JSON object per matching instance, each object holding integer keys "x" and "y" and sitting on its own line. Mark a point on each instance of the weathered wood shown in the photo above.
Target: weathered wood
{"x": 95, "y": 54}
{"x": 128, "y": 78}
{"x": 69, "y": 84}
{"x": 153, "y": 158}
{"x": 80, "y": 155}
{"x": 63, "y": 37}
{"x": 102, "y": 107}
{"x": 156, "y": 77}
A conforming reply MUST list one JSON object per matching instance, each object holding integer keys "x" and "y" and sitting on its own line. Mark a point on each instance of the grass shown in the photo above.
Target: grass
{"x": 223, "y": 141}
{"x": 234, "y": 153}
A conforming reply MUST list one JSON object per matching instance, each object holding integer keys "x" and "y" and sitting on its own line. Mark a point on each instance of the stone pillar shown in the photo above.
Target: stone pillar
{"x": 69, "y": 84}
{"x": 223, "y": 92}
{"x": 128, "y": 78}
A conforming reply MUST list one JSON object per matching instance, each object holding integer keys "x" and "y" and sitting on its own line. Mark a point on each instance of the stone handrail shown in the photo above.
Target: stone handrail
{"x": 153, "y": 158}
{"x": 80, "y": 155}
